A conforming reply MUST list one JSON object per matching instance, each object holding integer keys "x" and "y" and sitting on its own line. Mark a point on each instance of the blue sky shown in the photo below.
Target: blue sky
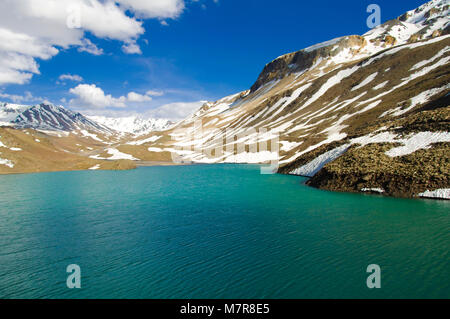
{"x": 207, "y": 50}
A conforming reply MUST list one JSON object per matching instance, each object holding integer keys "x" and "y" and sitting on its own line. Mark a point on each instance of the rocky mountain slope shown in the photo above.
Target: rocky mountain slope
{"x": 363, "y": 113}
{"x": 357, "y": 113}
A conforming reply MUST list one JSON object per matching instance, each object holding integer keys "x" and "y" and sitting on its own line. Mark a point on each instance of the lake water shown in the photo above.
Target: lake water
{"x": 218, "y": 231}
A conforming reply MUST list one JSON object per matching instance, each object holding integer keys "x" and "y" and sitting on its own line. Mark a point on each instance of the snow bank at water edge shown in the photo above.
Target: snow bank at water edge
{"x": 443, "y": 193}
{"x": 316, "y": 164}
{"x": 373, "y": 190}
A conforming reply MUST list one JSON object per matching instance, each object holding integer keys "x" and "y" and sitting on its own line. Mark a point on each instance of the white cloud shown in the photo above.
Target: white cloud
{"x": 90, "y": 96}
{"x": 70, "y": 77}
{"x": 38, "y": 29}
{"x": 16, "y": 68}
{"x": 175, "y": 111}
{"x": 154, "y": 8}
{"x": 21, "y": 43}
{"x": 136, "y": 97}
{"x": 131, "y": 48}
{"x": 89, "y": 47}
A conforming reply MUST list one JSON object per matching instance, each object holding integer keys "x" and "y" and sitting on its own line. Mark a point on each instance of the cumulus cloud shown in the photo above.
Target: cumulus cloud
{"x": 70, "y": 77}
{"x": 136, "y": 97}
{"x": 154, "y": 8}
{"x": 38, "y": 29}
{"x": 131, "y": 48}
{"x": 90, "y": 96}
{"x": 89, "y": 47}
{"x": 16, "y": 68}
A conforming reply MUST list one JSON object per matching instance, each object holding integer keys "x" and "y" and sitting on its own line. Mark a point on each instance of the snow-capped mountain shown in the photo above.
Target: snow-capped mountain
{"x": 9, "y": 112}
{"x": 133, "y": 124}
{"x": 46, "y": 117}
{"x": 51, "y": 117}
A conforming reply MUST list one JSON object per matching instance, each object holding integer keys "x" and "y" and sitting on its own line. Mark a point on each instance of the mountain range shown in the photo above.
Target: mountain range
{"x": 135, "y": 125}
{"x": 365, "y": 113}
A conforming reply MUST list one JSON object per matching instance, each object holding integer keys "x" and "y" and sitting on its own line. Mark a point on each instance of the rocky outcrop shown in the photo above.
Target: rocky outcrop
{"x": 369, "y": 167}
{"x": 305, "y": 59}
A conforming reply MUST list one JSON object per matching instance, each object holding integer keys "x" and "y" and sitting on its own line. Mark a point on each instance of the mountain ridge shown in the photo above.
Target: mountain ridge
{"x": 354, "y": 47}
{"x": 136, "y": 125}
{"x": 46, "y": 116}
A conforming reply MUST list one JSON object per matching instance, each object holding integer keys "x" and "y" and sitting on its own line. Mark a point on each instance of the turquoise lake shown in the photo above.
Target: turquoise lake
{"x": 214, "y": 231}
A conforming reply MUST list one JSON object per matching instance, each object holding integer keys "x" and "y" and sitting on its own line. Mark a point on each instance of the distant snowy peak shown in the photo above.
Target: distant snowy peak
{"x": 46, "y": 117}
{"x": 133, "y": 124}
{"x": 57, "y": 118}
{"x": 10, "y": 111}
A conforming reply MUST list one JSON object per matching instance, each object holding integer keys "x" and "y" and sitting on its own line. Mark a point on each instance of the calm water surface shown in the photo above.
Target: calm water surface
{"x": 219, "y": 231}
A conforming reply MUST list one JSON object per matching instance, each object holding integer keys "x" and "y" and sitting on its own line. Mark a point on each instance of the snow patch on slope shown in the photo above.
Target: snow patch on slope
{"x": 147, "y": 140}
{"x": 369, "y": 79}
{"x": 316, "y": 164}
{"x": 115, "y": 155}
{"x": 422, "y": 98}
{"x": 411, "y": 144}
{"x": 415, "y": 142}
{"x": 6, "y": 162}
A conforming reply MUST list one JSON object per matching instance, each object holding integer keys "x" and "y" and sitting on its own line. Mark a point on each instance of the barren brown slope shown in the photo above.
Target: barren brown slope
{"x": 29, "y": 151}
